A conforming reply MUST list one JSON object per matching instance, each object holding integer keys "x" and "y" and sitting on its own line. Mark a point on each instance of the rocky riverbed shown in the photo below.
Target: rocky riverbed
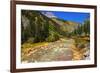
{"x": 61, "y": 50}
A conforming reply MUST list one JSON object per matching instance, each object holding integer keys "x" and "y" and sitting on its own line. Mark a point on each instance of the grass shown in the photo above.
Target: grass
{"x": 27, "y": 46}
{"x": 80, "y": 42}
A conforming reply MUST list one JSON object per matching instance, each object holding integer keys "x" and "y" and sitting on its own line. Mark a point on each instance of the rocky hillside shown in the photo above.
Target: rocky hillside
{"x": 66, "y": 26}
{"x": 39, "y": 26}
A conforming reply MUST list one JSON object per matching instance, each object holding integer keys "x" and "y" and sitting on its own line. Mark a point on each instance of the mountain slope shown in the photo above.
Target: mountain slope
{"x": 38, "y": 27}
{"x": 66, "y": 26}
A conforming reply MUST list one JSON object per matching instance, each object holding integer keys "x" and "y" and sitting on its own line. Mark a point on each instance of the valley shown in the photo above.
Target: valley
{"x": 46, "y": 38}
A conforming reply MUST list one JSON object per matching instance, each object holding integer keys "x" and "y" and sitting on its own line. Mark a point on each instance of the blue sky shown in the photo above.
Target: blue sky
{"x": 72, "y": 16}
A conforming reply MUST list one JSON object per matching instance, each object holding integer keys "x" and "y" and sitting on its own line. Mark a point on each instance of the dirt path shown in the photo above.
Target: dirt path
{"x": 61, "y": 50}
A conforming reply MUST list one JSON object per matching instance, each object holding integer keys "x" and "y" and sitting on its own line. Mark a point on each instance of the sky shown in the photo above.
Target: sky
{"x": 78, "y": 17}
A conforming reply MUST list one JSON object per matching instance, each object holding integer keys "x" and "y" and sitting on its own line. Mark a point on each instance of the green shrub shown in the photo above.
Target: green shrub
{"x": 52, "y": 37}
{"x": 30, "y": 40}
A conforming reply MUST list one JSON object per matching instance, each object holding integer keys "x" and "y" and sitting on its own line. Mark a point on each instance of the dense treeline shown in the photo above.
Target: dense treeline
{"x": 83, "y": 29}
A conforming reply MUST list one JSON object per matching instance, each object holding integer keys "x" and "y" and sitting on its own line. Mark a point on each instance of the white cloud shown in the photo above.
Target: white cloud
{"x": 49, "y": 14}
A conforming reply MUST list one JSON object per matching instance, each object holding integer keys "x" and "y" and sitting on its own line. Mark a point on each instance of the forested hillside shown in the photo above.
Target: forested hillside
{"x": 36, "y": 27}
